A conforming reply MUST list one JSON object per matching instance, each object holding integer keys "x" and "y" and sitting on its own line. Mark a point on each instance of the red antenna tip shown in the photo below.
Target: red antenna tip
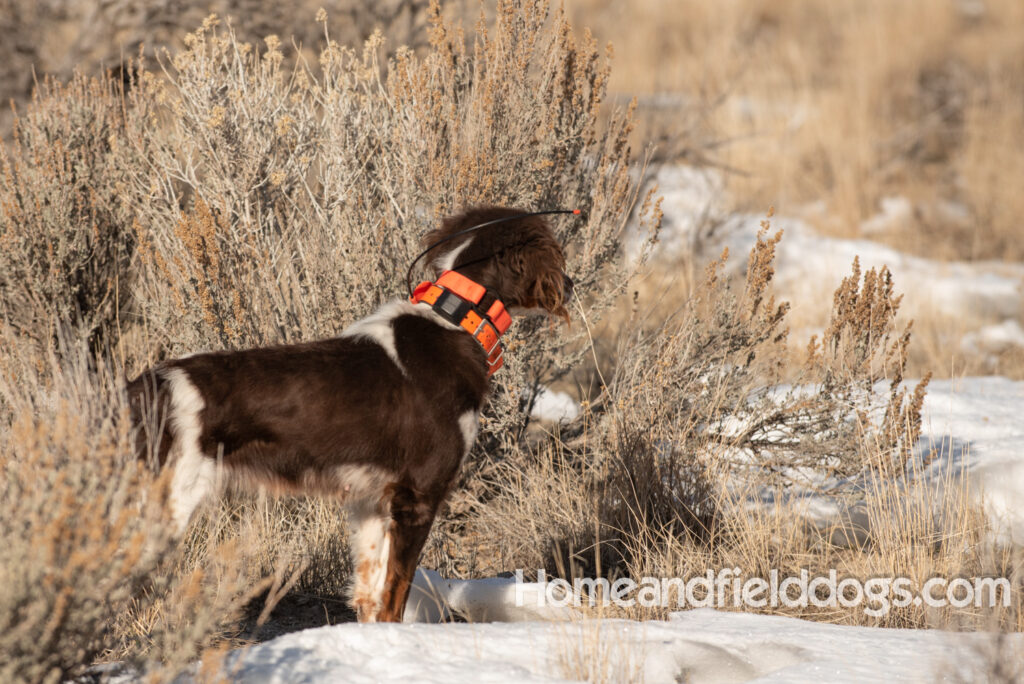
{"x": 577, "y": 211}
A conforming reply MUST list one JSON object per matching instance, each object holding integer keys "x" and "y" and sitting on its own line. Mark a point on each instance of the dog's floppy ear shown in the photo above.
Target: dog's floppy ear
{"x": 545, "y": 267}
{"x": 548, "y": 291}
{"x": 537, "y": 272}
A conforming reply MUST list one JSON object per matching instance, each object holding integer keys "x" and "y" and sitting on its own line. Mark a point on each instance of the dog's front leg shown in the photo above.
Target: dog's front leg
{"x": 412, "y": 515}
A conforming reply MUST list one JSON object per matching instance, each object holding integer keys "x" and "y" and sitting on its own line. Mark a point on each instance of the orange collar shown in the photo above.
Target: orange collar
{"x": 456, "y": 297}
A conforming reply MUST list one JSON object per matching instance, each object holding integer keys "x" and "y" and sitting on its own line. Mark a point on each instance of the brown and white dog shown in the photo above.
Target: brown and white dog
{"x": 379, "y": 417}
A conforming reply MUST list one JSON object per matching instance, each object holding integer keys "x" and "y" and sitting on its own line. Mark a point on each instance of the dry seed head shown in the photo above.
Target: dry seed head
{"x": 273, "y": 55}
{"x": 216, "y": 117}
{"x": 283, "y": 125}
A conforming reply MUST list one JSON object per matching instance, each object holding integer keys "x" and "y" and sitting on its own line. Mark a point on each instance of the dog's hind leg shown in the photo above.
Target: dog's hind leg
{"x": 195, "y": 478}
{"x": 196, "y": 475}
{"x": 370, "y": 551}
{"x": 411, "y": 518}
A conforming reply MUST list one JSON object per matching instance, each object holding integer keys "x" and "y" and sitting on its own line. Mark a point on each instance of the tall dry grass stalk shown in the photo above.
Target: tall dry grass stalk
{"x": 596, "y": 653}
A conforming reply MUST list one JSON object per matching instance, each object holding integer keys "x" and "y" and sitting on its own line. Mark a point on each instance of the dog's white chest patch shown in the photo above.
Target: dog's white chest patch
{"x": 469, "y": 425}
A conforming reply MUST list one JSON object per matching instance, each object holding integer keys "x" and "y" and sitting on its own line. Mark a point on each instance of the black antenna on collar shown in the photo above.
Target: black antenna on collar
{"x": 408, "y": 274}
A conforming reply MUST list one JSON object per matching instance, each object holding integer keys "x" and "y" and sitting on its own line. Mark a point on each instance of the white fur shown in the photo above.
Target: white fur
{"x": 371, "y": 546}
{"x": 361, "y": 488}
{"x": 469, "y": 424}
{"x": 424, "y": 309}
{"x": 377, "y": 326}
{"x": 358, "y": 483}
{"x": 446, "y": 261}
{"x": 196, "y": 475}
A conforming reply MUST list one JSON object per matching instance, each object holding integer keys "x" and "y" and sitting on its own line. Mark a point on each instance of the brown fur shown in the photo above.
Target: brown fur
{"x": 522, "y": 258}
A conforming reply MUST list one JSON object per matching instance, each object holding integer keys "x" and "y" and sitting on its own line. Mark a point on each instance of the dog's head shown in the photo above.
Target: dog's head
{"x": 519, "y": 260}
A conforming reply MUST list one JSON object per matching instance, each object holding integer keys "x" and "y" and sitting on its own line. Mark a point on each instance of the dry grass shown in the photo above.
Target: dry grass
{"x": 829, "y": 109}
{"x": 245, "y": 193}
{"x": 65, "y": 165}
{"x": 841, "y": 102}
{"x": 238, "y": 196}
{"x": 58, "y": 37}
{"x": 659, "y": 478}
{"x": 89, "y": 568}
{"x": 76, "y": 551}
{"x": 596, "y": 653}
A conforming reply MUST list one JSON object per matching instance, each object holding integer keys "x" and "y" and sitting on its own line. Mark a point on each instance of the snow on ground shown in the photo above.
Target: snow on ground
{"x": 810, "y": 266}
{"x": 973, "y": 431}
{"x": 555, "y": 406}
{"x": 494, "y": 599}
{"x": 993, "y": 339}
{"x": 698, "y": 646}
{"x": 977, "y": 426}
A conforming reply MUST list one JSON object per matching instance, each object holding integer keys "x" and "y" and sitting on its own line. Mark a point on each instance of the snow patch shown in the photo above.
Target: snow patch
{"x": 555, "y": 406}
{"x": 433, "y": 598}
{"x": 974, "y": 437}
{"x": 994, "y": 338}
{"x": 699, "y": 646}
{"x": 896, "y": 213}
{"x": 809, "y": 265}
